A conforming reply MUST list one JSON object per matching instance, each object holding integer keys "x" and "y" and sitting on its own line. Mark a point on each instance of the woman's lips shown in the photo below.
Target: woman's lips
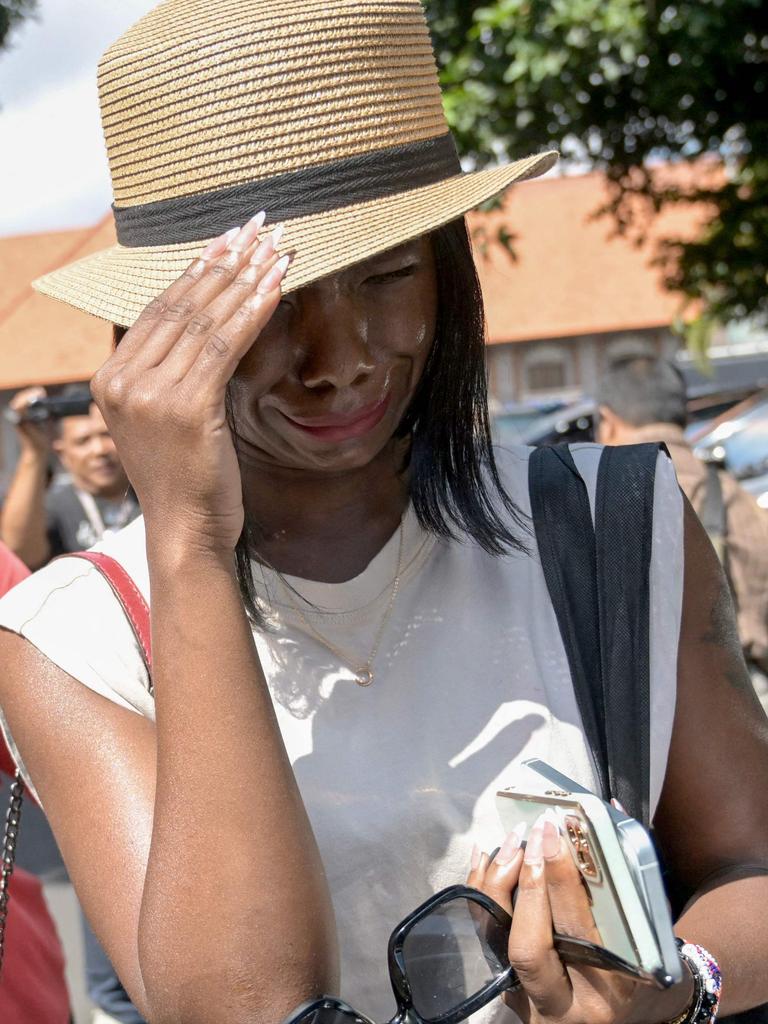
{"x": 342, "y": 428}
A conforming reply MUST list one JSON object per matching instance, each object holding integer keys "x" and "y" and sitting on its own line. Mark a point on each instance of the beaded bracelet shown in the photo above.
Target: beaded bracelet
{"x": 707, "y": 984}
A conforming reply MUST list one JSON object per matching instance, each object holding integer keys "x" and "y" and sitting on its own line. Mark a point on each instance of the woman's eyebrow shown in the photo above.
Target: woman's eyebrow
{"x": 401, "y": 252}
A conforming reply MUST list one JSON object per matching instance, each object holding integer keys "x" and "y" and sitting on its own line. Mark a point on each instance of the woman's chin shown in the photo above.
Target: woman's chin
{"x": 286, "y": 455}
{"x": 338, "y": 458}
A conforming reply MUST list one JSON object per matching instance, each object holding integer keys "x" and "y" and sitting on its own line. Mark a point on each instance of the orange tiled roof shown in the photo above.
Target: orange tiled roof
{"x": 43, "y": 341}
{"x": 573, "y": 275}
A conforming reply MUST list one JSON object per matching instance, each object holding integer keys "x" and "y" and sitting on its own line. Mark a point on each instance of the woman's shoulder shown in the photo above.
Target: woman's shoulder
{"x": 513, "y": 461}
{"x": 76, "y": 577}
{"x": 68, "y": 611}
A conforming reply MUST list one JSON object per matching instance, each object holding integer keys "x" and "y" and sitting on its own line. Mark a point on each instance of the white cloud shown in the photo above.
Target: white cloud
{"x": 53, "y": 171}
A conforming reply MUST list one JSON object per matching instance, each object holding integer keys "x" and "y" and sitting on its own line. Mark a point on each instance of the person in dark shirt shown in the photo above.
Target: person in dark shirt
{"x": 93, "y": 500}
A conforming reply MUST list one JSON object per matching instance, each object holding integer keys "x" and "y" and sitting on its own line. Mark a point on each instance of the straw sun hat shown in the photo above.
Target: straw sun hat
{"x": 325, "y": 113}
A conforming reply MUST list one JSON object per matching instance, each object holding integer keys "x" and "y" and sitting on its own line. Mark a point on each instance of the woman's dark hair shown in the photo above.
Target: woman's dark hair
{"x": 454, "y": 483}
{"x": 455, "y": 486}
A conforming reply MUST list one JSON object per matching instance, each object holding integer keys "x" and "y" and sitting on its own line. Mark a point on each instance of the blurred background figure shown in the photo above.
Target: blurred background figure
{"x": 90, "y": 499}
{"x": 33, "y": 986}
{"x": 644, "y": 399}
{"x": 49, "y": 512}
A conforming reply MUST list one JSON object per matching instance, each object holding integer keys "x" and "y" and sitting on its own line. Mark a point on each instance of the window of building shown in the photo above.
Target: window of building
{"x": 548, "y": 369}
{"x": 547, "y": 376}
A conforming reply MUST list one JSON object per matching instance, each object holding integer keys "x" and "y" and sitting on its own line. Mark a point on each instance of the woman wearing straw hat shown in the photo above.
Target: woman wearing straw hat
{"x": 352, "y": 641}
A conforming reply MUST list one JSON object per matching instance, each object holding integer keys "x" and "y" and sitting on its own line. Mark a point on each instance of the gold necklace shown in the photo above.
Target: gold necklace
{"x": 363, "y": 673}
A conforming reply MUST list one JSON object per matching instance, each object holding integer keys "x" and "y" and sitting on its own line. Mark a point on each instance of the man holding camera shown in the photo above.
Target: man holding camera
{"x": 95, "y": 498}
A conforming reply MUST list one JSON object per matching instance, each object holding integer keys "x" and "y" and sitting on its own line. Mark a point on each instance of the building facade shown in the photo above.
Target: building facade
{"x": 574, "y": 295}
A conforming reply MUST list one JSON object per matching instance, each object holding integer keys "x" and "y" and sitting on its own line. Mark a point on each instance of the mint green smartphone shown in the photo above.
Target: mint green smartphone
{"x": 618, "y": 865}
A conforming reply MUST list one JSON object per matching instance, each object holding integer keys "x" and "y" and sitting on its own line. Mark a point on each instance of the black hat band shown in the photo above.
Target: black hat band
{"x": 311, "y": 190}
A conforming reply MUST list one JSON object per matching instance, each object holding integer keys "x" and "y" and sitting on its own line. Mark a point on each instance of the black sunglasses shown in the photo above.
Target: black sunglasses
{"x": 447, "y": 959}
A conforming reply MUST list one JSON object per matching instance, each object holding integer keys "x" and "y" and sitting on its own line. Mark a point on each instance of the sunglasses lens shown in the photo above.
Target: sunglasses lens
{"x": 453, "y": 954}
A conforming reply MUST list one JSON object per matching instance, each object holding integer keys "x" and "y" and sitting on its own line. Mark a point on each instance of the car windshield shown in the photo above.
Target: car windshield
{"x": 742, "y": 442}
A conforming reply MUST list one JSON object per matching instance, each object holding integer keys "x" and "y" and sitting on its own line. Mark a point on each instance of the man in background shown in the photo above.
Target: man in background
{"x": 93, "y": 500}
{"x": 644, "y": 399}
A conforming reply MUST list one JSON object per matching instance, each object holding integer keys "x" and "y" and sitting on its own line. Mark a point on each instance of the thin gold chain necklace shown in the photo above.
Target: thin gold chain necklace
{"x": 364, "y": 672}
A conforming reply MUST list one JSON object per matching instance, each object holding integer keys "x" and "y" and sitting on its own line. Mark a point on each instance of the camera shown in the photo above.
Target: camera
{"x": 41, "y": 410}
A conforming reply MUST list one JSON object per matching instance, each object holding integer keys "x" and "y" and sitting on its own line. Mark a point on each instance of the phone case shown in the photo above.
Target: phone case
{"x": 617, "y": 861}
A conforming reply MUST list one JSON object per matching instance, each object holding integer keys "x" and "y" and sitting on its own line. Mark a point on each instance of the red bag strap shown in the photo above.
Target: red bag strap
{"x": 136, "y": 611}
{"x": 130, "y": 597}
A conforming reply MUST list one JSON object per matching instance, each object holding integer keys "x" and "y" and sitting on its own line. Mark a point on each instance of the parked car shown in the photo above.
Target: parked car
{"x": 571, "y": 423}
{"x": 738, "y": 440}
{"x": 511, "y": 424}
{"x": 576, "y": 422}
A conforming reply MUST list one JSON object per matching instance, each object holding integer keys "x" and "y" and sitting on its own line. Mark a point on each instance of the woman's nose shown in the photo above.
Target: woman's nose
{"x": 335, "y": 353}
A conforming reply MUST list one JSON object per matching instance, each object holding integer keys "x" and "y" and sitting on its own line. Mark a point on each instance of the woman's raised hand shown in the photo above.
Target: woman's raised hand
{"x": 550, "y": 898}
{"x": 162, "y": 392}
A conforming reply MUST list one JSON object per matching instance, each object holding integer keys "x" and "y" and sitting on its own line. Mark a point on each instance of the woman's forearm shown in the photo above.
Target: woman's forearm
{"x": 234, "y": 883}
{"x": 731, "y": 922}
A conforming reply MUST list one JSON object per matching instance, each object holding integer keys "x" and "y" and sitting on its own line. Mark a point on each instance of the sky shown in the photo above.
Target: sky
{"x": 53, "y": 168}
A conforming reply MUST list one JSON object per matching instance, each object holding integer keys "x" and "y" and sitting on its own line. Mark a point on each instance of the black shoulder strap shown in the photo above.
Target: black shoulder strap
{"x": 598, "y": 581}
{"x": 624, "y": 531}
{"x": 566, "y": 540}
{"x": 615, "y": 622}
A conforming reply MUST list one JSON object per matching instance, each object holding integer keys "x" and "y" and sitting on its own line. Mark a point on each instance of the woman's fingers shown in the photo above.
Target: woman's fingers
{"x": 193, "y": 312}
{"x": 503, "y": 871}
{"x": 531, "y": 951}
{"x": 572, "y": 915}
{"x": 550, "y": 898}
{"x": 153, "y": 315}
{"x": 568, "y": 899}
{"x": 260, "y": 258}
{"x": 477, "y": 868}
{"x": 186, "y": 303}
{"x": 212, "y": 366}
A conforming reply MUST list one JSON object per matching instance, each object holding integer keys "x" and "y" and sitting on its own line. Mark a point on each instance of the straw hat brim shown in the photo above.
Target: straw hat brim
{"x": 117, "y": 283}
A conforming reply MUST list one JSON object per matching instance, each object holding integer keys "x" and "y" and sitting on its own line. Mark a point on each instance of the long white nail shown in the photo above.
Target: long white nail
{"x": 511, "y": 845}
{"x": 474, "y": 860}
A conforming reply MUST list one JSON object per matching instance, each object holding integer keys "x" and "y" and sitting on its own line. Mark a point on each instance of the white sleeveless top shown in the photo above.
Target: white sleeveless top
{"x": 399, "y": 779}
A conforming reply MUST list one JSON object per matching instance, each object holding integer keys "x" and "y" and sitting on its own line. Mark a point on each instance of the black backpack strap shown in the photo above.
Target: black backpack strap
{"x": 598, "y": 581}
{"x": 566, "y": 540}
{"x": 616, "y": 621}
{"x": 624, "y": 532}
